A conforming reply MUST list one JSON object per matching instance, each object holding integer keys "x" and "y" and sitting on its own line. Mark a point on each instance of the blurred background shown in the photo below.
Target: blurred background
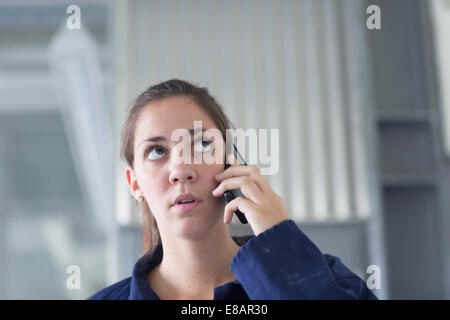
{"x": 363, "y": 114}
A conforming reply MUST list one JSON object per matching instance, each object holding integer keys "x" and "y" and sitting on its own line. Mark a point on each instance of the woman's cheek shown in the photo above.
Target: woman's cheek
{"x": 157, "y": 191}
{"x": 210, "y": 173}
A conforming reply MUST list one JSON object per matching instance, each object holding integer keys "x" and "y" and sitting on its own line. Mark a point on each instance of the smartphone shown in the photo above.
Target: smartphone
{"x": 232, "y": 194}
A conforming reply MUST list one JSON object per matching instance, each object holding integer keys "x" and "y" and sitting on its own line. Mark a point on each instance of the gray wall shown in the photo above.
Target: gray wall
{"x": 412, "y": 164}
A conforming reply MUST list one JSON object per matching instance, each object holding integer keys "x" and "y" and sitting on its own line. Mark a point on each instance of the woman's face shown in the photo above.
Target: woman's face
{"x": 161, "y": 179}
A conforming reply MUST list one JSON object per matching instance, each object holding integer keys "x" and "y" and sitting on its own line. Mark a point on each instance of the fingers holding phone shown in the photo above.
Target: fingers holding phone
{"x": 263, "y": 208}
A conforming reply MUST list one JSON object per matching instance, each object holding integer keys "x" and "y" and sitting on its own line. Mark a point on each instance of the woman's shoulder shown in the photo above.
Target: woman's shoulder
{"x": 117, "y": 291}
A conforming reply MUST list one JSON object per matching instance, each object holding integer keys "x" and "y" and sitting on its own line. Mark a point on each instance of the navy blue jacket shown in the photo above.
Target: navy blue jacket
{"x": 279, "y": 263}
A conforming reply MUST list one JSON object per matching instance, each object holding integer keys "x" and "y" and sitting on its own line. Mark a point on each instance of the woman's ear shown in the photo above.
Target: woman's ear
{"x": 133, "y": 183}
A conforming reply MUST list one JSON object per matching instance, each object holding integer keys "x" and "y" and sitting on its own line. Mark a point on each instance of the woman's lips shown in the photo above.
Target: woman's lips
{"x": 186, "y": 207}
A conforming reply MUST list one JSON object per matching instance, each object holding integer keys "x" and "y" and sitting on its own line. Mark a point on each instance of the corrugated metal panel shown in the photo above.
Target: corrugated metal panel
{"x": 275, "y": 65}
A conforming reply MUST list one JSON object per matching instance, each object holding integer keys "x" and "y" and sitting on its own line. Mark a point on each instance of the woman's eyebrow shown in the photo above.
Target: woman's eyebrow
{"x": 162, "y": 138}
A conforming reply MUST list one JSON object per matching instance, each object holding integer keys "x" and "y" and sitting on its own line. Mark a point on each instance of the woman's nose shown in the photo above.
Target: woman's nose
{"x": 181, "y": 169}
{"x": 182, "y": 174}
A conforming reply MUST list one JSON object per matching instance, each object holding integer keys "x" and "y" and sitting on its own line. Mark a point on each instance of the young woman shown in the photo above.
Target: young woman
{"x": 189, "y": 251}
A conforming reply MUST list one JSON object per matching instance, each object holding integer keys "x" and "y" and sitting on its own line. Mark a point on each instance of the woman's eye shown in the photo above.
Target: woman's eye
{"x": 203, "y": 145}
{"x": 155, "y": 153}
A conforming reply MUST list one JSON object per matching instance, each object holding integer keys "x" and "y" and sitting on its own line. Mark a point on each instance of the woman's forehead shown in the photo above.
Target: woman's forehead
{"x": 162, "y": 118}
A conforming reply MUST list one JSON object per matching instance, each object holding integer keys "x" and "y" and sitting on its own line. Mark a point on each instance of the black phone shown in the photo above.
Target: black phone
{"x": 232, "y": 194}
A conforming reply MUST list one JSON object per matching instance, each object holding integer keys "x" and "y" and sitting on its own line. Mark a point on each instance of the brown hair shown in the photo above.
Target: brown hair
{"x": 158, "y": 92}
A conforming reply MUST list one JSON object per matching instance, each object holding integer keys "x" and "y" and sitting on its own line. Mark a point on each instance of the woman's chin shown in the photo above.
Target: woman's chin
{"x": 195, "y": 226}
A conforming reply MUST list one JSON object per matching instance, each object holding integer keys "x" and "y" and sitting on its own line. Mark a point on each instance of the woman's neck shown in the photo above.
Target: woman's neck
{"x": 193, "y": 268}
